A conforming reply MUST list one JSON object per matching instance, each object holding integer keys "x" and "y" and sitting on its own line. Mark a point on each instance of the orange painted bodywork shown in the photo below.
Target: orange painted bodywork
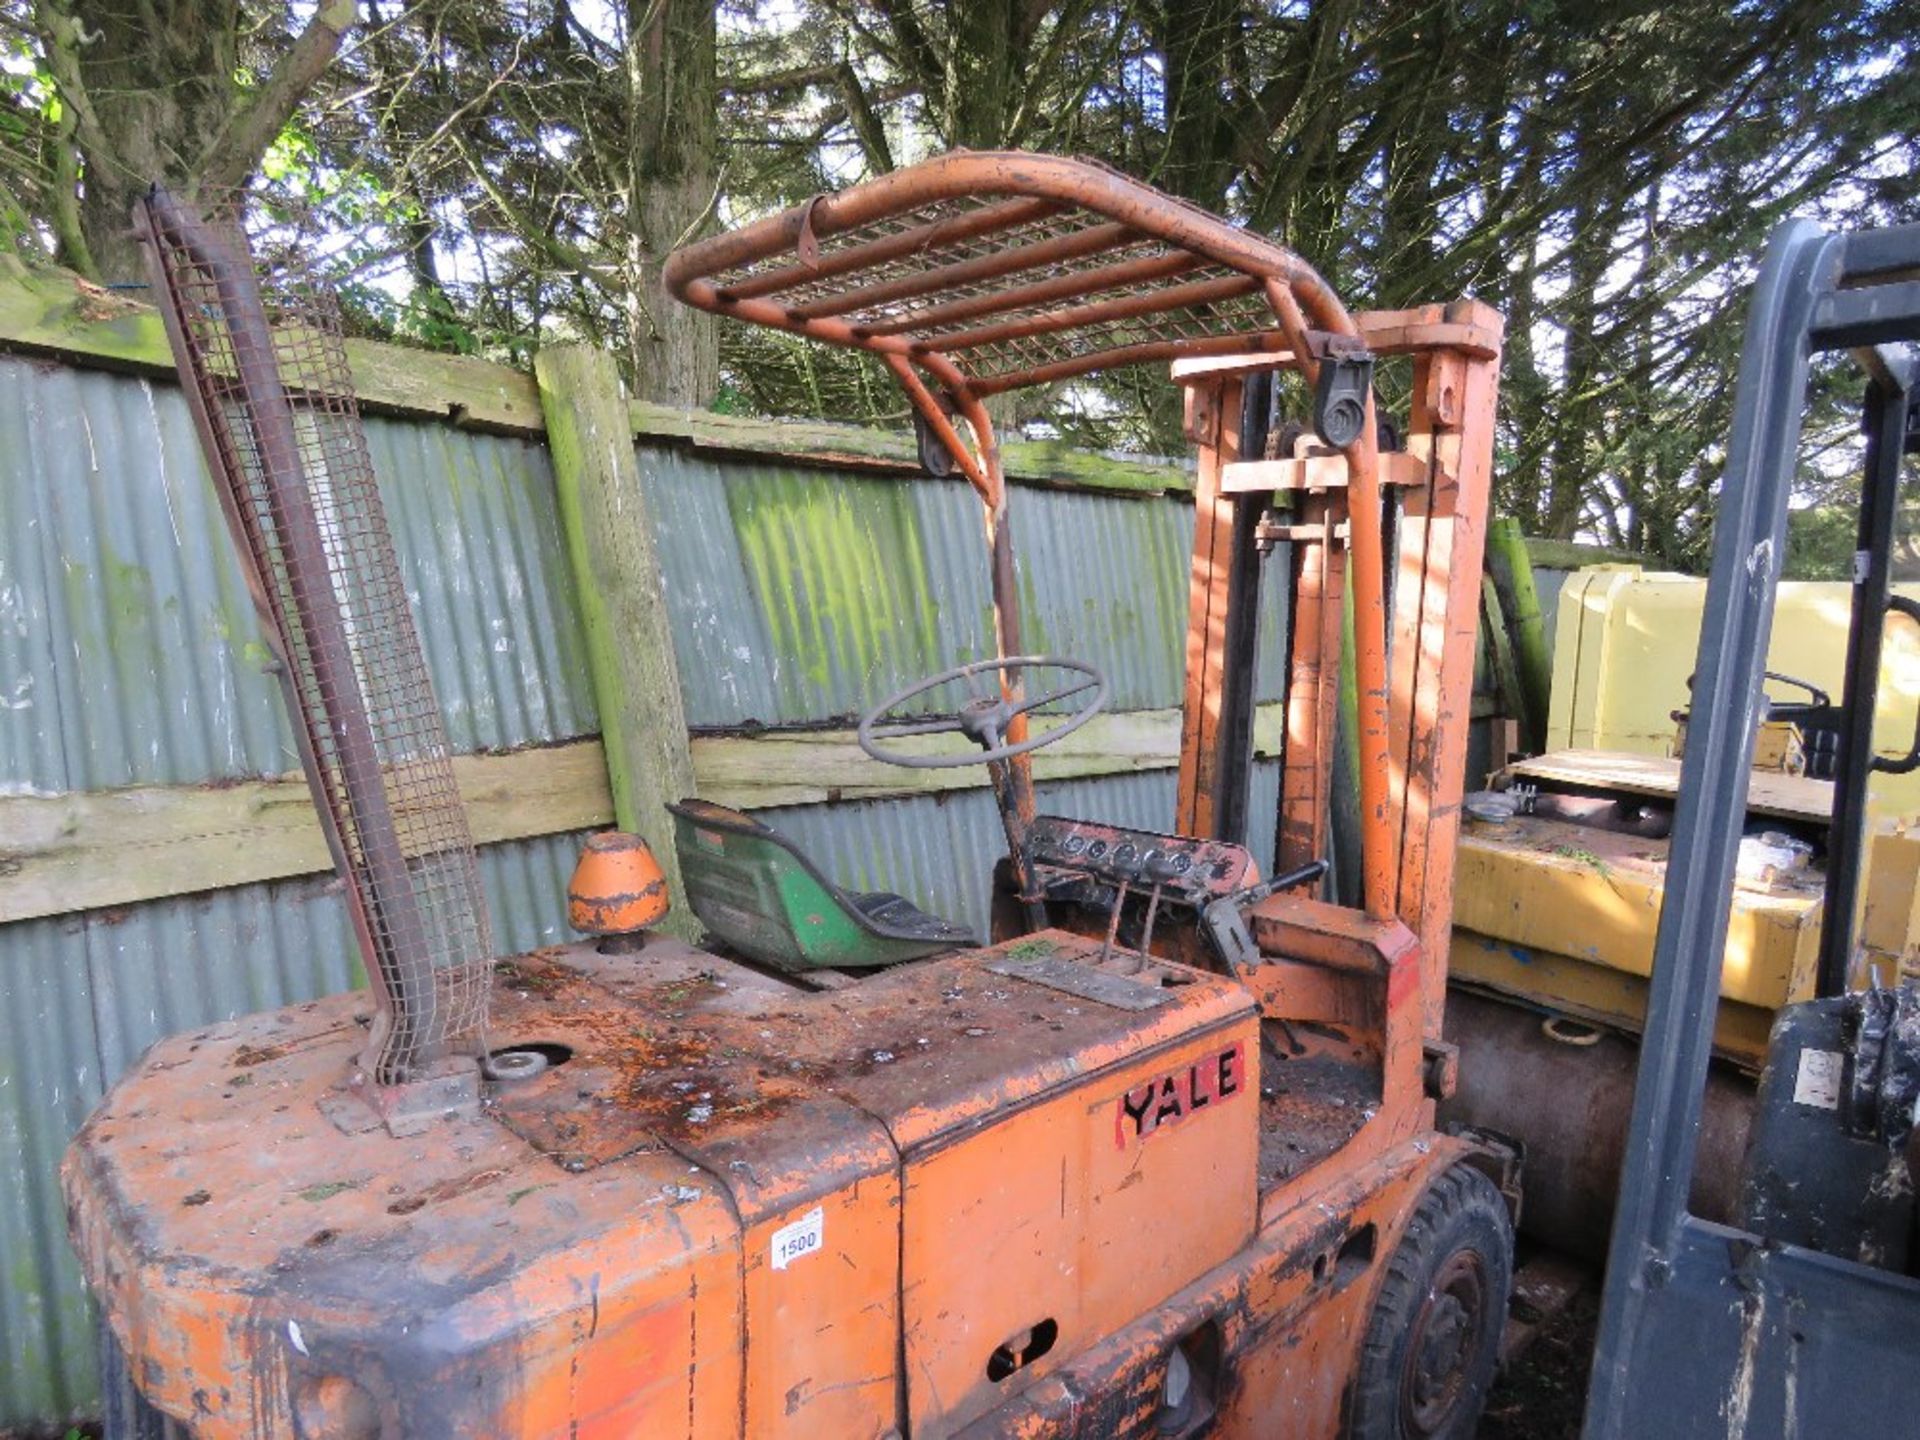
{"x": 1291, "y": 1313}
{"x": 501, "y": 1275}
{"x": 1084, "y": 1216}
{"x": 979, "y": 1195}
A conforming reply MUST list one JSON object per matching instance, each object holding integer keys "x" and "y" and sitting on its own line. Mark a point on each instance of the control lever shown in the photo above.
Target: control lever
{"x": 1113, "y": 923}
{"x": 1158, "y": 871}
{"x": 1224, "y": 920}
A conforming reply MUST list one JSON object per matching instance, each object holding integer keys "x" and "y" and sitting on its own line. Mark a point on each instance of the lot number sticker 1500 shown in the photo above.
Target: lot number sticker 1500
{"x": 800, "y": 1239}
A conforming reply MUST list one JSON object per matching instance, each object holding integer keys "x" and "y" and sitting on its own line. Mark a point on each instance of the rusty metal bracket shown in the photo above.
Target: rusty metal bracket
{"x": 1086, "y": 982}
{"x": 1341, "y": 394}
{"x": 806, "y": 245}
{"x": 450, "y": 1087}
{"x": 1440, "y": 1072}
{"x": 1271, "y": 532}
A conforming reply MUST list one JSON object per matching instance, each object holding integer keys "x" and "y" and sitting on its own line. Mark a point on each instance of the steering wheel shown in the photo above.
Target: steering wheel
{"x": 983, "y": 718}
{"x": 1817, "y": 699}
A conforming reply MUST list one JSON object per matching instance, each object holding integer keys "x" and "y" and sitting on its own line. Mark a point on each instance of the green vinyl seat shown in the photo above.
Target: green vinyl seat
{"x": 755, "y": 891}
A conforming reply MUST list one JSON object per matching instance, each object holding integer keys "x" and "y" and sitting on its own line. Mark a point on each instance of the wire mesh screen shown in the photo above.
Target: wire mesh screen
{"x": 267, "y": 369}
{"x": 1008, "y": 288}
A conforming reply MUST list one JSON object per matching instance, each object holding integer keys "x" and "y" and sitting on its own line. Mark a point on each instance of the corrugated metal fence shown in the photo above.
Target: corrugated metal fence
{"x": 129, "y": 655}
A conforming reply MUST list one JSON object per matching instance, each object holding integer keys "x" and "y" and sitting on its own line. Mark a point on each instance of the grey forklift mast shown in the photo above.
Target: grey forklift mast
{"x": 1779, "y": 1328}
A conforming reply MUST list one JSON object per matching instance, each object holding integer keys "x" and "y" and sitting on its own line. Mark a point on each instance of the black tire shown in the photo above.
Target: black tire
{"x": 1434, "y": 1338}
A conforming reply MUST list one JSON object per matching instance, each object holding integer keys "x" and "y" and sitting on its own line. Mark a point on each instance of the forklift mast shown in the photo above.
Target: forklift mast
{"x": 1787, "y": 1323}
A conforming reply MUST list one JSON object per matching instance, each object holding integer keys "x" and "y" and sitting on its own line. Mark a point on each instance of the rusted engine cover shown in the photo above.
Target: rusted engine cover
{"x": 695, "y": 1224}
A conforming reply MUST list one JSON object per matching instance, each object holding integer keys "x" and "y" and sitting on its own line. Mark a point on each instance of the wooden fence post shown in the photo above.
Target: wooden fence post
{"x": 1512, "y": 574}
{"x": 616, "y": 568}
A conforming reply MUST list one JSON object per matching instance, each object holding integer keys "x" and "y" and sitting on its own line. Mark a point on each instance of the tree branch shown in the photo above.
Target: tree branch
{"x": 915, "y": 48}
{"x": 778, "y": 82}
{"x": 236, "y": 151}
{"x": 540, "y": 237}
{"x": 61, "y": 36}
{"x": 867, "y": 127}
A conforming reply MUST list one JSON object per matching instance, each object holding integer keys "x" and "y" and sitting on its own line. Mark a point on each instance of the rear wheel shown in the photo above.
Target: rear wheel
{"x": 1434, "y": 1338}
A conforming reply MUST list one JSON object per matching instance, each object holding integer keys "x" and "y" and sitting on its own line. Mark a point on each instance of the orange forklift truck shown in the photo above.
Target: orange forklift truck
{"x": 1160, "y": 1162}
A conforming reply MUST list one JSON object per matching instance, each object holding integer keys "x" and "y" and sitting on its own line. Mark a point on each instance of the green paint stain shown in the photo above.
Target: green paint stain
{"x": 121, "y": 595}
{"x": 314, "y": 1194}
{"x": 838, "y": 573}
{"x": 448, "y": 469}
{"x": 128, "y": 590}
{"x": 1033, "y": 623}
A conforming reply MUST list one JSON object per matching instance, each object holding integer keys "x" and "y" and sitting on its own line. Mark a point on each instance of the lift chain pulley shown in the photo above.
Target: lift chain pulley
{"x": 1340, "y": 394}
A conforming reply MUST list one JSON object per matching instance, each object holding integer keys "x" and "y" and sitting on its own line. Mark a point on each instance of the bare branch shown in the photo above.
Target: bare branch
{"x": 866, "y": 123}
{"x": 236, "y": 151}
{"x": 61, "y": 38}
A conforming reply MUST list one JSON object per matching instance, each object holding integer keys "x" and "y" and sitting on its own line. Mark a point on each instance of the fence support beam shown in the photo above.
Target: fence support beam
{"x": 91, "y": 850}
{"x": 616, "y": 568}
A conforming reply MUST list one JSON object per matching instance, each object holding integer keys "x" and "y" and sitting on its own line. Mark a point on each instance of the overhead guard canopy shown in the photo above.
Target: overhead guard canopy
{"x": 996, "y": 270}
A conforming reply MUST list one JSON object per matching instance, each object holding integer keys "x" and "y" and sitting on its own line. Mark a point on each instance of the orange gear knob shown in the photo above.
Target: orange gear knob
{"x": 617, "y": 888}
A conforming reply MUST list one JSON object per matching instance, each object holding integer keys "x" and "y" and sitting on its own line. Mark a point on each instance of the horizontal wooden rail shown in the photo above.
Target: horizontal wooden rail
{"x": 1315, "y": 472}
{"x": 54, "y": 313}
{"x": 820, "y": 442}
{"x": 100, "y": 849}
{"x": 1386, "y": 332}
{"x": 813, "y": 767}
{"x": 97, "y": 849}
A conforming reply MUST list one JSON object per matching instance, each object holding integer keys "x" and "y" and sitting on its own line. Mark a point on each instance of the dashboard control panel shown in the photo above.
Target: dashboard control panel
{"x": 1193, "y": 870}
